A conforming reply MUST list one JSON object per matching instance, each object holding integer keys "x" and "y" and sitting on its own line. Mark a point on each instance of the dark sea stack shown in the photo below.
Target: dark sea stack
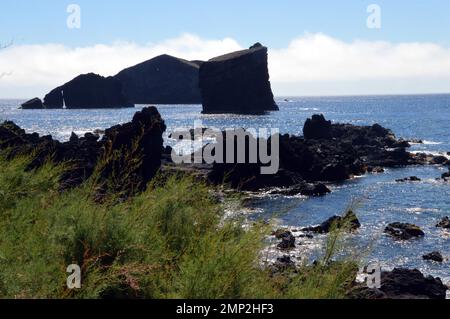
{"x": 403, "y": 284}
{"x": 238, "y": 83}
{"x": 33, "y": 104}
{"x": 162, "y": 80}
{"x": 88, "y": 91}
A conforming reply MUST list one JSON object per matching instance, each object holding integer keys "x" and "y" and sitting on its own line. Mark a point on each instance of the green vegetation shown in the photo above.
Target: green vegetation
{"x": 167, "y": 242}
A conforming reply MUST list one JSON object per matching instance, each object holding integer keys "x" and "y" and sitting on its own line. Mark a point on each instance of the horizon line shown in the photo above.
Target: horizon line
{"x": 289, "y": 96}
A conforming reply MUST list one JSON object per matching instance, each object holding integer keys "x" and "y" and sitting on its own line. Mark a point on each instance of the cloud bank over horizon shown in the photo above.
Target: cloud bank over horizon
{"x": 312, "y": 64}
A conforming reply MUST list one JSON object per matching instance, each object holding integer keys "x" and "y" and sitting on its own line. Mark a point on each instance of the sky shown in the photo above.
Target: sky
{"x": 321, "y": 47}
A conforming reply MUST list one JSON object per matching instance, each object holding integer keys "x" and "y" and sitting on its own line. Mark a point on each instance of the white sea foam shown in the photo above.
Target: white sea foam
{"x": 432, "y": 153}
{"x": 420, "y": 210}
{"x": 425, "y": 142}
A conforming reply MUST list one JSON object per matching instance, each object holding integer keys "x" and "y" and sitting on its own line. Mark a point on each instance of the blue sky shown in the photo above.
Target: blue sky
{"x": 320, "y": 47}
{"x": 273, "y": 22}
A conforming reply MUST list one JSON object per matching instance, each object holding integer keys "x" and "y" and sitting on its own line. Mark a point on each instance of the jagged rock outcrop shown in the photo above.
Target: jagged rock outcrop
{"x": 317, "y": 127}
{"x": 402, "y": 284}
{"x": 162, "y": 80}
{"x": 237, "y": 82}
{"x": 135, "y": 148}
{"x": 344, "y": 151}
{"x": 88, "y": 91}
{"x": 128, "y": 153}
{"x": 35, "y": 104}
{"x": 349, "y": 222}
{"x": 434, "y": 256}
{"x": 404, "y": 231}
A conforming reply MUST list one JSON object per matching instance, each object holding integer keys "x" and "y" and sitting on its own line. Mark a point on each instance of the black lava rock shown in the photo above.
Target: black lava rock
{"x": 35, "y": 103}
{"x": 404, "y": 231}
{"x": 88, "y": 91}
{"x": 287, "y": 240}
{"x": 237, "y": 82}
{"x": 349, "y": 221}
{"x": 444, "y": 223}
{"x": 317, "y": 128}
{"x": 408, "y": 179}
{"x": 434, "y": 256}
{"x": 403, "y": 284}
{"x": 132, "y": 150}
{"x": 162, "y": 80}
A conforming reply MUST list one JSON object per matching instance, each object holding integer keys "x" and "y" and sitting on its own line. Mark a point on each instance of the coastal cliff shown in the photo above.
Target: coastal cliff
{"x": 88, "y": 91}
{"x": 162, "y": 80}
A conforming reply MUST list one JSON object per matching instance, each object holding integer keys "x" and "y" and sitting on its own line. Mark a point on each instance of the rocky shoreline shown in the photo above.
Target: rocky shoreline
{"x": 112, "y": 155}
{"x": 327, "y": 153}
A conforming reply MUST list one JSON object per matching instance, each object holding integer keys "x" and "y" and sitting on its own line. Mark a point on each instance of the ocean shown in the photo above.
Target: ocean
{"x": 376, "y": 199}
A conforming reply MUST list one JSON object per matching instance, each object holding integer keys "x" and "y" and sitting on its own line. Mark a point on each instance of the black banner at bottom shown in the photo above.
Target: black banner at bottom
{"x": 260, "y": 309}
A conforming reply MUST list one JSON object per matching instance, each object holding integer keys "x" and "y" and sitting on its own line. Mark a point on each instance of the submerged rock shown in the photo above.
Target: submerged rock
{"x": 237, "y": 82}
{"x": 434, "y": 256}
{"x": 88, "y": 91}
{"x": 408, "y": 179}
{"x": 403, "y": 284}
{"x": 404, "y": 231}
{"x": 162, "y": 80}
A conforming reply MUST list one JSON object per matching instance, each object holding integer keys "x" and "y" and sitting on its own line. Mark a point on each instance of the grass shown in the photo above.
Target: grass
{"x": 169, "y": 241}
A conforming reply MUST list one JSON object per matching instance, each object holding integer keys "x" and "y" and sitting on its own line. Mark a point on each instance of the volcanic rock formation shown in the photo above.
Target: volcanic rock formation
{"x": 130, "y": 154}
{"x": 88, "y": 91}
{"x": 162, "y": 80}
{"x": 237, "y": 82}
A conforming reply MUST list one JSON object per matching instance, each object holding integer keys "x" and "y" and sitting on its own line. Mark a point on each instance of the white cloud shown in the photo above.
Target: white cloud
{"x": 33, "y": 70}
{"x": 319, "y": 64}
{"x": 313, "y": 64}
